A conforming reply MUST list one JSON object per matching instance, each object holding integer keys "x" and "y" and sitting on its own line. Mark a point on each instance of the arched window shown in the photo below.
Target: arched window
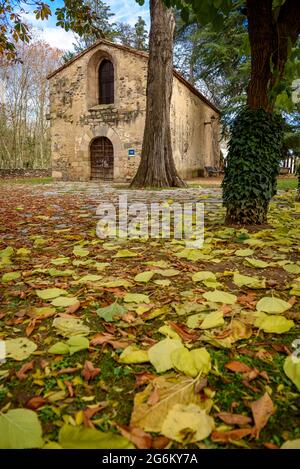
{"x": 106, "y": 82}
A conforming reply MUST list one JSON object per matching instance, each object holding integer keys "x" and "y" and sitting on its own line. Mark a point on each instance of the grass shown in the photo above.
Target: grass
{"x": 282, "y": 183}
{"x": 287, "y": 183}
{"x": 29, "y": 181}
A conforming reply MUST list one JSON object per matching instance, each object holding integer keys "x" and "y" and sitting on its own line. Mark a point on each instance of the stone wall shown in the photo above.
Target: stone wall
{"x": 77, "y": 118}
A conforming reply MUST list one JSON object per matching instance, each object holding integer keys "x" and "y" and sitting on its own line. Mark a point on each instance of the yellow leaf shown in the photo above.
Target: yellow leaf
{"x": 219, "y": 296}
{"x": 214, "y": 319}
{"x": 292, "y": 369}
{"x": 160, "y": 354}
{"x": 187, "y": 424}
{"x": 133, "y": 354}
{"x": 272, "y": 305}
{"x": 273, "y": 324}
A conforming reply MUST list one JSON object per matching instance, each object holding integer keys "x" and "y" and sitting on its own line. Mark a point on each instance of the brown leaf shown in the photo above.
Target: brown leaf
{"x": 226, "y": 309}
{"x": 143, "y": 378}
{"x": 36, "y": 403}
{"x": 89, "y": 413}
{"x": 251, "y": 375}
{"x": 238, "y": 367}
{"x": 201, "y": 384}
{"x": 234, "y": 419}
{"x": 69, "y": 387}
{"x": 65, "y": 371}
{"x": 89, "y": 371}
{"x": 105, "y": 338}
{"x": 264, "y": 355}
{"x": 248, "y": 300}
{"x": 73, "y": 308}
{"x": 21, "y": 374}
{"x": 185, "y": 333}
{"x": 281, "y": 348}
{"x": 264, "y": 375}
{"x": 231, "y": 435}
{"x": 141, "y": 439}
{"x": 270, "y": 445}
{"x": 262, "y": 409}
{"x": 31, "y": 326}
{"x": 160, "y": 442}
{"x": 292, "y": 300}
{"x": 154, "y": 397}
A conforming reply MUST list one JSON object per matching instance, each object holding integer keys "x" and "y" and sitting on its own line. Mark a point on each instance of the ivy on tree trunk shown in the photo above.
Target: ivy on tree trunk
{"x": 255, "y": 148}
{"x": 157, "y": 167}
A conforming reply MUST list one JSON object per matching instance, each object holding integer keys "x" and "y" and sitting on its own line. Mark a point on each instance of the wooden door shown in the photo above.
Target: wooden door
{"x": 102, "y": 159}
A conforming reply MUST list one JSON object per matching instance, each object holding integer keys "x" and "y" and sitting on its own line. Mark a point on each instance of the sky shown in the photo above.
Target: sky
{"x": 126, "y": 11}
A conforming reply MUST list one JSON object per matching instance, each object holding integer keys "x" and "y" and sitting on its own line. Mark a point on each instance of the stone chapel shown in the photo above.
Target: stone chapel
{"x": 97, "y": 116}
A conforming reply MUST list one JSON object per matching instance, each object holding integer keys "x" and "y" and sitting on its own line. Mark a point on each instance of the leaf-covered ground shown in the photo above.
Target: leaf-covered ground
{"x": 146, "y": 343}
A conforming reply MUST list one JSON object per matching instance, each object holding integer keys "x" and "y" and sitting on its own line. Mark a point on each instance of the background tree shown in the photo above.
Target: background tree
{"x": 157, "y": 168}
{"x": 141, "y": 35}
{"x": 24, "y": 100}
{"x": 216, "y": 61}
{"x": 101, "y": 25}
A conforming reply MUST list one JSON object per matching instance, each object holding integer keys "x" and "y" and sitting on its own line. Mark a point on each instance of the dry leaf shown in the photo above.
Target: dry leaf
{"x": 262, "y": 409}
{"x": 89, "y": 371}
{"x": 185, "y": 333}
{"x": 234, "y": 419}
{"x": 238, "y": 367}
{"x": 21, "y": 374}
{"x": 138, "y": 437}
{"x": 172, "y": 389}
{"x": 231, "y": 435}
{"x": 36, "y": 402}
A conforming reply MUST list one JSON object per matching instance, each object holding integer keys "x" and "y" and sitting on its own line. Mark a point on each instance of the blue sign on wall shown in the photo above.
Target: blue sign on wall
{"x": 131, "y": 152}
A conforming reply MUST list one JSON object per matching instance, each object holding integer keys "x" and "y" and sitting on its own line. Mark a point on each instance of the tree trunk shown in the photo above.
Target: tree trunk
{"x": 261, "y": 37}
{"x": 270, "y": 39}
{"x": 157, "y": 167}
{"x": 256, "y": 142}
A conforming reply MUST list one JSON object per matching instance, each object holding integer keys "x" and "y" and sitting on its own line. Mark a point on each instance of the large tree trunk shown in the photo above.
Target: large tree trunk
{"x": 256, "y": 143}
{"x": 270, "y": 40}
{"x": 157, "y": 167}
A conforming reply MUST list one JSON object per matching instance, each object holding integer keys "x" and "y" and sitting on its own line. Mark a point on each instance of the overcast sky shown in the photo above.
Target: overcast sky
{"x": 126, "y": 11}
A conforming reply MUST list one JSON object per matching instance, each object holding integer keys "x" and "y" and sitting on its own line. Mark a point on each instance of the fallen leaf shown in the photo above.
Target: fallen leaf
{"x": 160, "y": 354}
{"x": 187, "y": 424}
{"x": 112, "y": 312}
{"x": 272, "y": 305}
{"x": 50, "y": 293}
{"x": 132, "y": 354}
{"x": 185, "y": 333}
{"x": 273, "y": 323}
{"x": 20, "y": 429}
{"x": 20, "y": 348}
{"x": 172, "y": 390}
{"x": 21, "y": 374}
{"x": 231, "y": 435}
{"x": 291, "y": 368}
{"x": 136, "y": 298}
{"x": 141, "y": 439}
{"x": 68, "y": 326}
{"x": 89, "y": 371}
{"x": 36, "y": 402}
{"x": 219, "y": 296}
{"x": 262, "y": 409}
{"x": 89, "y": 438}
{"x": 291, "y": 444}
{"x": 234, "y": 419}
{"x": 238, "y": 367}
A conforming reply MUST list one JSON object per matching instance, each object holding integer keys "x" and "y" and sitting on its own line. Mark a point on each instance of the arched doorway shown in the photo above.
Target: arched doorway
{"x": 102, "y": 159}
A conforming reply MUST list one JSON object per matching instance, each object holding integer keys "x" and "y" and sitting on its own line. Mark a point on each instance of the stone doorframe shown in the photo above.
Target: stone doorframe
{"x": 84, "y": 149}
